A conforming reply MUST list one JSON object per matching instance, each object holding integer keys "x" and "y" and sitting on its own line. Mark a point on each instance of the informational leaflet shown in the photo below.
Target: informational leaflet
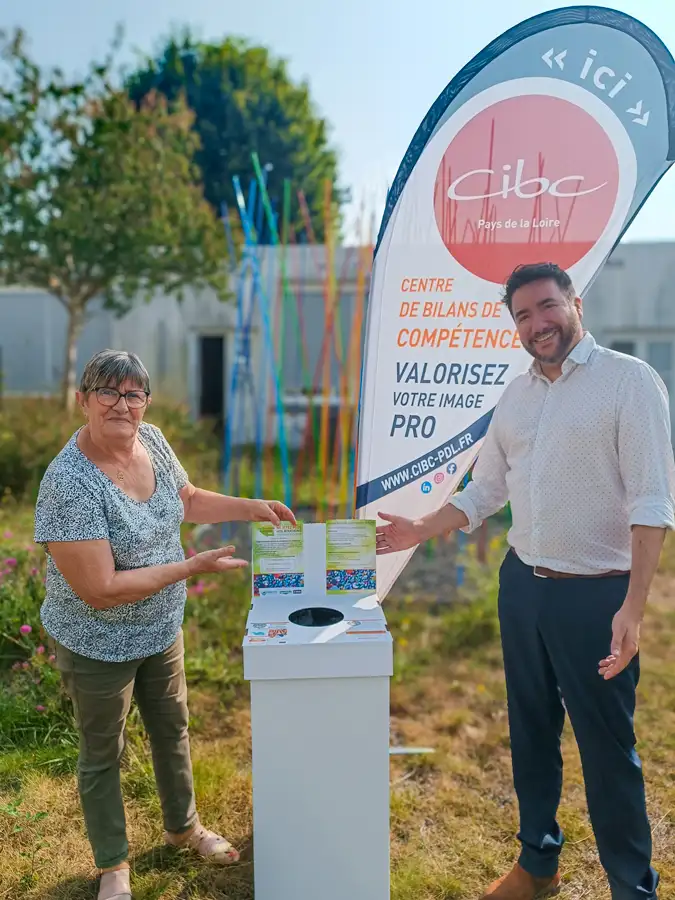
{"x": 268, "y": 633}
{"x": 350, "y": 556}
{"x": 278, "y": 559}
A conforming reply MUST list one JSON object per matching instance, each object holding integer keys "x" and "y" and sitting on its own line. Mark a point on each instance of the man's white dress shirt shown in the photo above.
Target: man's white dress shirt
{"x": 580, "y": 459}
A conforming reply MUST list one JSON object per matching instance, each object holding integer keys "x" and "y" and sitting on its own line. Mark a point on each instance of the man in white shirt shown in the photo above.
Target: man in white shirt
{"x": 580, "y": 446}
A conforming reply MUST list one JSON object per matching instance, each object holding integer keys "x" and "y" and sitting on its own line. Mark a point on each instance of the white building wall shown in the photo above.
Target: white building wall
{"x": 629, "y": 306}
{"x": 33, "y": 338}
{"x": 634, "y": 292}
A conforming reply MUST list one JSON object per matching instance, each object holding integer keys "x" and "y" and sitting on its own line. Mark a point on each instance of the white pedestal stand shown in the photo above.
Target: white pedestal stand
{"x": 320, "y": 730}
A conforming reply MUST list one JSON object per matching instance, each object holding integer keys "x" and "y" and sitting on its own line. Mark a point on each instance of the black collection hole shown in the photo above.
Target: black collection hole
{"x": 316, "y": 617}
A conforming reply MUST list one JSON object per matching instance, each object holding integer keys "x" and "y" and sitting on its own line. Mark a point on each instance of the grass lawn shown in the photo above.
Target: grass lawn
{"x": 453, "y": 813}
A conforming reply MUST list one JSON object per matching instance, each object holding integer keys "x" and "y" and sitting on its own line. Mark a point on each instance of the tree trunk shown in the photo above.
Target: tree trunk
{"x": 75, "y": 324}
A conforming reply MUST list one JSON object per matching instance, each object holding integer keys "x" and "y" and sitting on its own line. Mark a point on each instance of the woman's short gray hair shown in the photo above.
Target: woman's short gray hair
{"x": 111, "y": 368}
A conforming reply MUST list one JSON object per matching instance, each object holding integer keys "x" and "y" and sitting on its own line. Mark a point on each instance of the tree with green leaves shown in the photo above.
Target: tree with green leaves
{"x": 245, "y": 101}
{"x": 99, "y": 197}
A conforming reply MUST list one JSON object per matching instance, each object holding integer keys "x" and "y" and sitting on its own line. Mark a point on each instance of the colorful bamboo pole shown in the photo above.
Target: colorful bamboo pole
{"x": 267, "y": 330}
{"x": 332, "y": 452}
{"x": 354, "y": 379}
{"x": 284, "y": 298}
{"x": 328, "y": 314}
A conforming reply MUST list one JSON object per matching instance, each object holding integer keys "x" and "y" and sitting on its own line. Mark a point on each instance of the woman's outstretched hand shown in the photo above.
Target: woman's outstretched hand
{"x": 215, "y": 561}
{"x": 272, "y": 511}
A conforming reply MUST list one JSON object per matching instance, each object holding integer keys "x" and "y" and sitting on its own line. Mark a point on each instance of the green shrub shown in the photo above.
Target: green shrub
{"x": 33, "y": 431}
{"x": 215, "y": 619}
{"x": 21, "y": 595}
{"x": 470, "y": 625}
{"x": 34, "y": 709}
{"x": 473, "y": 622}
{"x": 425, "y": 632}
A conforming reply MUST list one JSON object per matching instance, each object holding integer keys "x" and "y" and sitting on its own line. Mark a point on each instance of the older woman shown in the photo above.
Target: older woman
{"x": 109, "y": 513}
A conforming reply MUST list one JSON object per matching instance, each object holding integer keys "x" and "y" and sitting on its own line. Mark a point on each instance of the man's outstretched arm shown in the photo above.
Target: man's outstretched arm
{"x": 485, "y": 495}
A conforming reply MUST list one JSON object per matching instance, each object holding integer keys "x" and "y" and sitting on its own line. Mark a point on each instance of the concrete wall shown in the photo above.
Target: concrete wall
{"x": 33, "y": 339}
{"x": 629, "y": 305}
{"x": 166, "y": 333}
{"x": 635, "y": 292}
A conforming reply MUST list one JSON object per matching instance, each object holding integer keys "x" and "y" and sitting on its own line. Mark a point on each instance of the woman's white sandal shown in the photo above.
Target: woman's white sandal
{"x": 115, "y": 885}
{"x": 209, "y": 845}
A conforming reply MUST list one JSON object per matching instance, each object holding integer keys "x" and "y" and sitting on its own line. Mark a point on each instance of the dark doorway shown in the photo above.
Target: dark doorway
{"x": 212, "y": 376}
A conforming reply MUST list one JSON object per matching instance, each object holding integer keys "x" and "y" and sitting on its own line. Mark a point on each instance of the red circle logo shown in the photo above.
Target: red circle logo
{"x": 529, "y": 179}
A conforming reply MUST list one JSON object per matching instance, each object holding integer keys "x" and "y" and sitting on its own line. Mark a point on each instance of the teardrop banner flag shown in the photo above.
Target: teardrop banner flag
{"x": 542, "y": 149}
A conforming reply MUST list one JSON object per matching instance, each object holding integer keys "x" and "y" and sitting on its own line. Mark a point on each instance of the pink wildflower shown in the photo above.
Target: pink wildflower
{"x": 10, "y": 562}
{"x": 41, "y": 709}
{"x": 34, "y": 571}
{"x": 7, "y": 535}
{"x": 25, "y": 665}
{"x": 40, "y": 650}
{"x": 52, "y": 658}
{"x": 25, "y": 629}
{"x": 16, "y": 667}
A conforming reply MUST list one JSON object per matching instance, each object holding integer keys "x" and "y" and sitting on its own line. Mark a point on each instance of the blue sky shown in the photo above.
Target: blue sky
{"x": 374, "y": 66}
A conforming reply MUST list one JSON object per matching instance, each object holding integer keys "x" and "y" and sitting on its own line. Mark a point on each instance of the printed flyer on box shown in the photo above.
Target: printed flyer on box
{"x": 268, "y": 632}
{"x": 350, "y": 556}
{"x": 278, "y": 559}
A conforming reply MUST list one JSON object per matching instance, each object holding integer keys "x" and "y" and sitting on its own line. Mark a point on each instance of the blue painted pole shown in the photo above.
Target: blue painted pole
{"x": 267, "y": 331}
{"x": 461, "y": 545}
{"x": 257, "y": 391}
{"x": 234, "y": 371}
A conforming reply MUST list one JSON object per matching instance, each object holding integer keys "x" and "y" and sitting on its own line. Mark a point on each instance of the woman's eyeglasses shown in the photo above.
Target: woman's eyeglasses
{"x": 107, "y": 396}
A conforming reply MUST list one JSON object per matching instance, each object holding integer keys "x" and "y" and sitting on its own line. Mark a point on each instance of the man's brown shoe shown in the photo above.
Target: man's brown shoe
{"x": 520, "y": 885}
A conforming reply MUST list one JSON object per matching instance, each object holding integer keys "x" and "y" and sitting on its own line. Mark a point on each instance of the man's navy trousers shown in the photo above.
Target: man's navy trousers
{"x": 554, "y": 634}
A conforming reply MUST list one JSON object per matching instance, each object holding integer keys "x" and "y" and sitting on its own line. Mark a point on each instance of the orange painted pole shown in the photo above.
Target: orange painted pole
{"x": 328, "y": 309}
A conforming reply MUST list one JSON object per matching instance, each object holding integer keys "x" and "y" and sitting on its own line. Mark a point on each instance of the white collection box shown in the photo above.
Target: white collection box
{"x": 319, "y": 665}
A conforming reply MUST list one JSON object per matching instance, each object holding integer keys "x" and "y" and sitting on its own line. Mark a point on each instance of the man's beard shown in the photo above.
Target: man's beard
{"x": 565, "y": 337}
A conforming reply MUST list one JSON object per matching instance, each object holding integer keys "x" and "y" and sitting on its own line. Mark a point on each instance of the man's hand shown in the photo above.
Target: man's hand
{"x": 625, "y": 641}
{"x": 272, "y": 511}
{"x": 399, "y": 534}
{"x": 402, "y": 534}
{"x": 647, "y": 542}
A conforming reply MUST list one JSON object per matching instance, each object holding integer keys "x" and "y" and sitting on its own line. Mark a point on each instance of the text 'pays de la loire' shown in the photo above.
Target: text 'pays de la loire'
{"x": 496, "y": 224}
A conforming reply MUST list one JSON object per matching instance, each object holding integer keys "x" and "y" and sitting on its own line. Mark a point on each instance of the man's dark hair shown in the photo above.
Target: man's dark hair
{"x": 527, "y": 274}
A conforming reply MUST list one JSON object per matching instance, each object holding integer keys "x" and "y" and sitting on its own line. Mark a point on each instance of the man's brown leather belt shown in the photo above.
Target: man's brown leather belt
{"x": 543, "y": 572}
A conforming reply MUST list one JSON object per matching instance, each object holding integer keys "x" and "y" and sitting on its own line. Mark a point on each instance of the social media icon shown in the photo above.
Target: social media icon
{"x": 426, "y": 487}
{"x": 439, "y": 477}
{"x": 452, "y": 468}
